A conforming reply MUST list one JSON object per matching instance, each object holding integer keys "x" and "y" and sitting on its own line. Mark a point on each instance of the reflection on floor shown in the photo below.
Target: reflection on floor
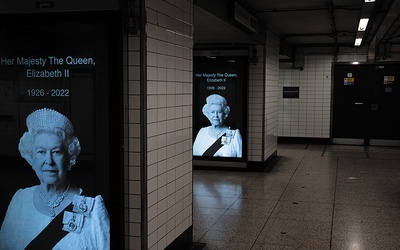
{"x": 316, "y": 197}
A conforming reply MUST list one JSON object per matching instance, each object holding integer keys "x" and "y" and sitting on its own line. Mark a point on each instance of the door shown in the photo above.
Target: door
{"x": 350, "y": 96}
{"x": 385, "y": 105}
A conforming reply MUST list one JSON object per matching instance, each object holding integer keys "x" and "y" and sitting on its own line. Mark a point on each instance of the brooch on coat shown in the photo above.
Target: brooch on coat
{"x": 73, "y": 221}
{"x": 226, "y": 140}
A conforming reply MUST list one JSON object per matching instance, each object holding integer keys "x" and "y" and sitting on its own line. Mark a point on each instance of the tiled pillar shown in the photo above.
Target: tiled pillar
{"x": 263, "y": 101}
{"x": 167, "y": 211}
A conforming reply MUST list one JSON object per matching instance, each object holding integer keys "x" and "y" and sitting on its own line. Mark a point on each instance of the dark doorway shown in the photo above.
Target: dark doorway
{"x": 350, "y": 104}
{"x": 365, "y": 101}
{"x": 385, "y": 105}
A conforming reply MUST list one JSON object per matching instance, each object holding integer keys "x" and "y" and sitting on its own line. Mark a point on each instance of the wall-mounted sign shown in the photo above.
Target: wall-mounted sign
{"x": 242, "y": 16}
{"x": 291, "y": 92}
{"x": 57, "y": 77}
{"x": 348, "y": 81}
{"x": 388, "y": 80}
{"x": 219, "y": 108}
{"x": 388, "y": 89}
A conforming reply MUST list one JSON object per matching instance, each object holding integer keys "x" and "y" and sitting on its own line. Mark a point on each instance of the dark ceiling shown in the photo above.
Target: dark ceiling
{"x": 307, "y": 23}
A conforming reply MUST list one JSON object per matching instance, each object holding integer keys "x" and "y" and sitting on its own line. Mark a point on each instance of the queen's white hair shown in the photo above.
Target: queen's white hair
{"x": 47, "y": 120}
{"x": 71, "y": 143}
{"x": 216, "y": 99}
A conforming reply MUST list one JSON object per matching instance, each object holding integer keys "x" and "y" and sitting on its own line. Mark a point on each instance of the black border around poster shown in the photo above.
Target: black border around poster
{"x": 226, "y": 76}
{"x": 111, "y": 22}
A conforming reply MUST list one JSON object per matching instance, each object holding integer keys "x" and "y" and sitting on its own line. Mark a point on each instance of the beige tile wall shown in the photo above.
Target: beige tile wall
{"x": 263, "y": 101}
{"x": 271, "y": 95}
{"x": 169, "y": 31}
{"x": 309, "y": 115}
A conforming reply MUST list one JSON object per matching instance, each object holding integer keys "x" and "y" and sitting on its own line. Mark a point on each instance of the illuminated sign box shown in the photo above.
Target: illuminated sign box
{"x": 219, "y": 108}
{"x": 50, "y": 67}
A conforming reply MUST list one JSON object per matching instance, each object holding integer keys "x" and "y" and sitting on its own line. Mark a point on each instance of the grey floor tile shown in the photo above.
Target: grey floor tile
{"x": 368, "y": 189}
{"x": 296, "y": 233}
{"x": 245, "y": 205}
{"x": 265, "y": 246}
{"x": 316, "y": 197}
{"x": 270, "y": 181}
{"x": 299, "y": 193}
{"x": 318, "y": 163}
{"x": 285, "y": 169}
{"x": 224, "y": 245}
{"x": 369, "y": 165}
{"x": 249, "y": 224}
{"x": 213, "y": 201}
{"x": 367, "y": 216}
{"x": 366, "y": 227}
{"x": 384, "y": 153}
{"x": 306, "y": 210}
{"x": 362, "y": 243}
{"x": 322, "y": 177}
{"x": 345, "y": 151}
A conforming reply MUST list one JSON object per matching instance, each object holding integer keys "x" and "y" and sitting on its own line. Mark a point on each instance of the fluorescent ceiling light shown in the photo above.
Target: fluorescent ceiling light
{"x": 369, "y": 1}
{"x": 358, "y": 42}
{"x": 363, "y": 24}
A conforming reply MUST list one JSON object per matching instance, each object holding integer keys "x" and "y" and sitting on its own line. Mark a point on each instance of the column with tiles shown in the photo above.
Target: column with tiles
{"x": 168, "y": 125}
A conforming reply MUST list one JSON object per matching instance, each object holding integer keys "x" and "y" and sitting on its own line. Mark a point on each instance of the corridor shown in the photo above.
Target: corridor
{"x": 315, "y": 197}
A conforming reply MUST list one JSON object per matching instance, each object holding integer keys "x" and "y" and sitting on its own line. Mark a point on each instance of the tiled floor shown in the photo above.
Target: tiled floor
{"x": 316, "y": 197}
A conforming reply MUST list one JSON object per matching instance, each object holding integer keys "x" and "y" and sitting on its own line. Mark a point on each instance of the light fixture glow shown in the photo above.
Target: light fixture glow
{"x": 358, "y": 42}
{"x": 363, "y": 24}
{"x": 369, "y": 1}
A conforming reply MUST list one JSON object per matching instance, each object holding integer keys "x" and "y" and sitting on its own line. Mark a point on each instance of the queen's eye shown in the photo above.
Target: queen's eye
{"x": 57, "y": 152}
{"x": 40, "y": 151}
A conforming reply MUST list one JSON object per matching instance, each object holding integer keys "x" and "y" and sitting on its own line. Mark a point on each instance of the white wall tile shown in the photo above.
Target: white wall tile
{"x": 313, "y": 107}
{"x": 169, "y": 88}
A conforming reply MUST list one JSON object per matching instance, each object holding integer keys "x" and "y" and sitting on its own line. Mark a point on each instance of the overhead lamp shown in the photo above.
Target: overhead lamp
{"x": 362, "y": 26}
{"x": 366, "y": 11}
{"x": 358, "y": 42}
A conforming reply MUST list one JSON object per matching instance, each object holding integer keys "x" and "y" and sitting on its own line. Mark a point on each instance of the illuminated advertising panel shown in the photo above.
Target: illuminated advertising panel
{"x": 57, "y": 94}
{"x": 219, "y": 103}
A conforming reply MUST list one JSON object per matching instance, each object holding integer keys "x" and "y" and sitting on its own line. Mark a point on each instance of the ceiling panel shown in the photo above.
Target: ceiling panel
{"x": 259, "y": 5}
{"x": 289, "y": 22}
{"x": 332, "y": 23}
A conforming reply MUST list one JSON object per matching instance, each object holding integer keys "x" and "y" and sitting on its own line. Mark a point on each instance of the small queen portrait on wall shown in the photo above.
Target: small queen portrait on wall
{"x": 54, "y": 214}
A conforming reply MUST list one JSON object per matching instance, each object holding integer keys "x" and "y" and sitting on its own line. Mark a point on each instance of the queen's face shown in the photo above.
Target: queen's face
{"x": 216, "y": 115}
{"x": 49, "y": 159}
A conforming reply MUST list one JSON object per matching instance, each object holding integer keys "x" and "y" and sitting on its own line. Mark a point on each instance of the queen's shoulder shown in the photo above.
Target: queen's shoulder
{"x": 96, "y": 200}
{"x": 235, "y": 131}
{"x": 204, "y": 130}
{"x": 24, "y": 191}
{"x": 96, "y": 197}
{"x": 99, "y": 198}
